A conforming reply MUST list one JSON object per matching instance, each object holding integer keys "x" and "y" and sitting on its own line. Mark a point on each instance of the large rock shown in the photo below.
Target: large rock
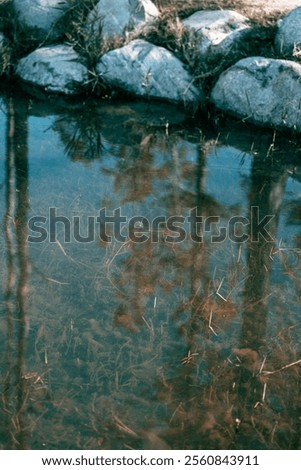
{"x": 115, "y": 17}
{"x": 56, "y": 69}
{"x": 263, "y": 91}
{"x": 288, "y": 37}
{"x": 145, "y": 70}
{"x": 40, "y": 18}
{"x": 216, "y": 33}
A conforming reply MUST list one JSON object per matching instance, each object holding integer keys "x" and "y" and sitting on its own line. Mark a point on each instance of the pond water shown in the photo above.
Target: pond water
{"x": 150, "y": 280}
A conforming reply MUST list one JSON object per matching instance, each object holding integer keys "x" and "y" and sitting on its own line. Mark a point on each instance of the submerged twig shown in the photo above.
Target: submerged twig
{"x": 210, "y": 327}
{"x": 61, "y": 248}
{"x": 49, "y": 279}
{"x": 124, "y": 245}
{"x": 124, "y": 428}
{"x": 218, "y": 289}
{"x": 267, "y": 372}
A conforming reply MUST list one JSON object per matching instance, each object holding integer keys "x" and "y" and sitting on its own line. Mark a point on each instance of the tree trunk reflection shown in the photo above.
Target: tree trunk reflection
{"x": 15, "y": 222}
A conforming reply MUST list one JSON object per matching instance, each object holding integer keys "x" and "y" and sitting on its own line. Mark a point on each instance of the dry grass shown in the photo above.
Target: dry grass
{"x": 168, "y": 32}
{"x": 260, "y": 14}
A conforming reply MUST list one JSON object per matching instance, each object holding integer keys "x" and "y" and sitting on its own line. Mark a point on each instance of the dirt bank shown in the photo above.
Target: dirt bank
{"x": 260, "y": 10}
{"x": 257, "y": 6}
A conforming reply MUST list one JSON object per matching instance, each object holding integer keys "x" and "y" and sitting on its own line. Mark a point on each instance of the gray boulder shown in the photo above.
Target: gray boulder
{"x": 216, "y": 33}
{"x": 262, "y": 91}
{"x": 145, "y": 70}
{"x": 115, "y": 17}
{"x": 56, "y": 69}
{"x": 39, "y": 18}
{"x": 288, "y": 37}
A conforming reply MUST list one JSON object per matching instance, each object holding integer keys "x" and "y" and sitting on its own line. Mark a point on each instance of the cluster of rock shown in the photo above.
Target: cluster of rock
{"x": 261, "y": 90}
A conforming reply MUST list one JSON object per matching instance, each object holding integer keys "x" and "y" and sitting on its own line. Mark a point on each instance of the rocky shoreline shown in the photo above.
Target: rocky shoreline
{"x": 220, "y": 44}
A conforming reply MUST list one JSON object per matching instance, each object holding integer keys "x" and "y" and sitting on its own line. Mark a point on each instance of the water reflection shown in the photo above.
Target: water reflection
{"x": 158, "y": 344}
{"x": 15, "y": 228}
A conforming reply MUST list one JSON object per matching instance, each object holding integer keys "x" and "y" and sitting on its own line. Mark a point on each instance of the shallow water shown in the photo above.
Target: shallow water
{"x": 187, "y": 338}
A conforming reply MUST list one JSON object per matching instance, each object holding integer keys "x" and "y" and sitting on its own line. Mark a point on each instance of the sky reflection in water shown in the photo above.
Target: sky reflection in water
{"x": 146, "y": 345}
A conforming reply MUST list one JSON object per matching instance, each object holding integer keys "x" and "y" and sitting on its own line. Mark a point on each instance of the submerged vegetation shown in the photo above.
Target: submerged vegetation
{"x": 155, "y": 345}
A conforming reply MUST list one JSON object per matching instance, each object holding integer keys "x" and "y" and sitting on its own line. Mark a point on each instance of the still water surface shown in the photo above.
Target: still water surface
{"x": 155, "y": 345}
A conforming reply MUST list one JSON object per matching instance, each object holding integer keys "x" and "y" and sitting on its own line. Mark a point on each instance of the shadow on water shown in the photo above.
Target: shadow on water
{"x": 187, "y": 340}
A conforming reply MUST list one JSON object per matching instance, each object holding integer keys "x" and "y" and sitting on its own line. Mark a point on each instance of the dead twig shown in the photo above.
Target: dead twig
{"x": 287, "y": 366}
